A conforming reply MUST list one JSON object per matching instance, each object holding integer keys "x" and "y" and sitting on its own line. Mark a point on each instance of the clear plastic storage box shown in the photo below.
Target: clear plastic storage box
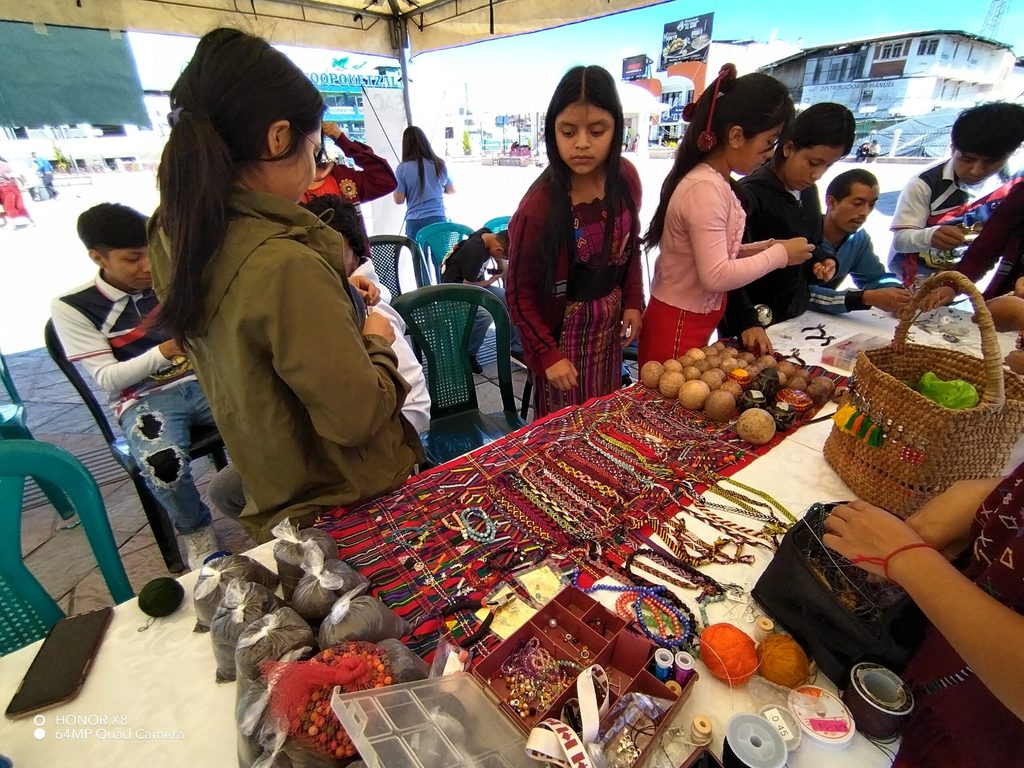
{"x": 443, "y": 722}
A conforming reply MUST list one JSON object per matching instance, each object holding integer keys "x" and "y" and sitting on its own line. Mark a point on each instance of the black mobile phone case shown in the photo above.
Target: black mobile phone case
{"x": 59, "y": 669}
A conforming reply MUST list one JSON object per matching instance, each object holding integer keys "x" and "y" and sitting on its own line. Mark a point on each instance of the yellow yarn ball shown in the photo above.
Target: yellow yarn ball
{"x": 783, "y": 661}
{"x": 728, "y": 653}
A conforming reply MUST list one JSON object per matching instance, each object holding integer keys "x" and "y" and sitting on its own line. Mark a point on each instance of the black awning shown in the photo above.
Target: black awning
{"x": 67, "y": 76}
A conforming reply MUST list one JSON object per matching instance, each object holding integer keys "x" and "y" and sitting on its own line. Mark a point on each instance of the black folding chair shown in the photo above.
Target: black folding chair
{"x": 206, "y": 441}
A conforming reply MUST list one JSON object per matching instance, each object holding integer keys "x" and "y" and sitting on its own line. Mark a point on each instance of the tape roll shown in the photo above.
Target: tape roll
{"x": 878, "y": 699}
{"x": 752, "y": 742}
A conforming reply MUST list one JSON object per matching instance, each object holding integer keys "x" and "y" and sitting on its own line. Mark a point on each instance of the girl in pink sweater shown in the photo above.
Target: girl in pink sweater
{"x": 699, "y": 222}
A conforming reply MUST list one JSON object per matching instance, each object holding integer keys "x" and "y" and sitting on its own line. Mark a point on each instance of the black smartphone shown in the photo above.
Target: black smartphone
{"x": 58, "y": 671}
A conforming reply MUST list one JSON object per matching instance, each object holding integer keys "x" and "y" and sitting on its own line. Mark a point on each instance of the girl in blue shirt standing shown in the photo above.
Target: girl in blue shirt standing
{"x": 422, "y": 181}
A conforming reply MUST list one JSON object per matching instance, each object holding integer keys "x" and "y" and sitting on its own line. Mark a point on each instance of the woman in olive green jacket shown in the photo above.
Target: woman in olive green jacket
{"x": 308, "y": 402}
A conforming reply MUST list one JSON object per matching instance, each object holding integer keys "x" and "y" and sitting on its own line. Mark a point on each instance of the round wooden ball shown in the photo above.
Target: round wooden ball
{"x": 730, "y": 363}
{"x": 670, "y": 383}
{"x": 702, "y": 365}
{"x": 713, "y": 378}
{"x": 797, "y": 381}
{"x": 710, "y": 350}
{"x": 685, "y": 360}
{"x": 767, "y": 361}
{"x": 719, "y": 345}
{"x": 694, "y": 394}
{"x": 720, "y": 406}
{"x": 650, "y": 373}
{"x": 783, "y": 378}
{"x": 695, "y": 354}
{"x": 732, "y": 388}
{"x": 820, "y": 389}
{"x": 787, "y": 368}
{"x": 691, "y": 372}
{"x": 756, "y": 426}
{"x": 748, "y": 357}
{"x": 672, "y": 366}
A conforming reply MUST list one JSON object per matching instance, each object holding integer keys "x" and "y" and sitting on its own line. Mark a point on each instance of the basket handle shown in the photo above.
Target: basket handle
{"x": 994, "y": 393}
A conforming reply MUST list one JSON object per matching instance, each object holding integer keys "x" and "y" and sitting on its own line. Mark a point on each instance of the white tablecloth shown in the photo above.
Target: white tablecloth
{"x": 150, "y": 699}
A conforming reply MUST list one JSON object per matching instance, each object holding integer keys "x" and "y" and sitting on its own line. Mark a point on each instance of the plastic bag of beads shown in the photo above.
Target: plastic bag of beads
{"x": 242, "y": 604}
{"x": 406, "y": 666}
{"x": 214, "y": 579}
{"x": 270, "y": 638}
{"x": 322, "y": 583}
{"x": 300, "y": 696}
{"x": 251, "y": 700}
{"x": 360, "y": 618}
{"x": 290, "y": 550}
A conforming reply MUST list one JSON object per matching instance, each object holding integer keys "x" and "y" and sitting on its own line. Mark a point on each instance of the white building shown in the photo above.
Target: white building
{"x": 901, "y": 75}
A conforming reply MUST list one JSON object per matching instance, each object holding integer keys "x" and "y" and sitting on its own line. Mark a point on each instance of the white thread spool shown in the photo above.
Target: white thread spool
{"x": 701, "y": 731}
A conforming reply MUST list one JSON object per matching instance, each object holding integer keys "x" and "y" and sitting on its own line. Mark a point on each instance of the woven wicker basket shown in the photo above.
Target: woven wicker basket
{"x": 925, "y": 447}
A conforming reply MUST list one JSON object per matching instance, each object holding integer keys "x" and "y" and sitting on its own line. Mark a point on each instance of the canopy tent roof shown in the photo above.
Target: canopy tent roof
{"x": 380, "y": 27}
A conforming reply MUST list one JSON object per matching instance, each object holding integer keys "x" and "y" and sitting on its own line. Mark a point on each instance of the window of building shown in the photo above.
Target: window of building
{"x": 867, "y": 95}
{"x": 927, "y": 47}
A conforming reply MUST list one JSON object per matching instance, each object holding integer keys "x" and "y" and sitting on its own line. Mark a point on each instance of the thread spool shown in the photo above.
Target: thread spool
{"x": 824, "y": 719}
{"x": 663, "y": 662}
{"x": 684, "y": 668}
{"x": 878, "y": 699}
{"x": 752, "y": 742}
{"x": 672, "y": 685}
{"x": 701, "y": 731}
{"x": 763, "y": 627}
{"x": 785, "y": 723}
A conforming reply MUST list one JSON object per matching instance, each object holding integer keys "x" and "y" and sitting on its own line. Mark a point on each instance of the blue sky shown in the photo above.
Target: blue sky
{"x": 533, "y": 63}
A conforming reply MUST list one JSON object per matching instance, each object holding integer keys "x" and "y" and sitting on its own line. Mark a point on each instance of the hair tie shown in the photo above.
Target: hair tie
{"x": 174, "y": 116}
{"x": 688, "y": 111}
{"x": 707, "y": 140}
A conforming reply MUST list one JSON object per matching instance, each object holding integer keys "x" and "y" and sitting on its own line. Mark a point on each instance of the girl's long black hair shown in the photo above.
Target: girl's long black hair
{"x": 754, "y": 102}
{"x": 416, "y": 148}
{"x": 595, "y": 86}
{"x": 234, "y": 88}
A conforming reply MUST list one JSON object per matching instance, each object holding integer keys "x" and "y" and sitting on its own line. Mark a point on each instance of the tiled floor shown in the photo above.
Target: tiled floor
{"x": 61, "y": 558}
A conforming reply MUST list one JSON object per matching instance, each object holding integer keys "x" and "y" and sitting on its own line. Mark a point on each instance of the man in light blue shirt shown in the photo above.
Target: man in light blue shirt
{"x": 850, "y": 197}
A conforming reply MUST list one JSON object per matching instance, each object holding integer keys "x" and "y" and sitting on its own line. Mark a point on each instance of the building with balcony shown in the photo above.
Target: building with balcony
{"x": 901, "y": 75}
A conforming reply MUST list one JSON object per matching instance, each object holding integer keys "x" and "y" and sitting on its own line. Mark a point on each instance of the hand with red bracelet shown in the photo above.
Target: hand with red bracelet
{"x": 870, "y": 537}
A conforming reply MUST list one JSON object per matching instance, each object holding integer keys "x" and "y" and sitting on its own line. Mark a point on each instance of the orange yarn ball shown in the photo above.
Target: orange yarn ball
{"x": 783, "y": 661}
{"x": 728, "y": 653}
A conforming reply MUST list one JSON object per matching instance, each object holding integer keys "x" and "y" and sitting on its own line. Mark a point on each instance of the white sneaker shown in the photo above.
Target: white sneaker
{"x": 200, "y": 545}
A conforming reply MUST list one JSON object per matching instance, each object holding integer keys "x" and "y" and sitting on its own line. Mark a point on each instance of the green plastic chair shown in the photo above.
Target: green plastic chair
{"x": 440, "y": 318}
{"x": 437, "y": 240}
{"x": 13, "y": 426}
{"x": 26, "y": 610}
{"x": 498, "y": 223}
{"x": 386, "y": 253}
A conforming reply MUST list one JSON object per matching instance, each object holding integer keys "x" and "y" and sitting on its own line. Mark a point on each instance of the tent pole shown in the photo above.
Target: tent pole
{"x": 400, "y": 44}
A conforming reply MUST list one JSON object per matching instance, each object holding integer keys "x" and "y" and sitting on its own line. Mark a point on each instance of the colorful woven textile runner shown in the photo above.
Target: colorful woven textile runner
{"x": 600, "y": 473}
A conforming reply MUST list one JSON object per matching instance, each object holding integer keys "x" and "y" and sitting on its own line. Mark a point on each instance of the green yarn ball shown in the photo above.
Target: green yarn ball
{"x": 161, "y": 597}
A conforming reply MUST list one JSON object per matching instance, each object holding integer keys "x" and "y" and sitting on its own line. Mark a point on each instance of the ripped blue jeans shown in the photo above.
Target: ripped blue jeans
{"x": 157, "y": 431}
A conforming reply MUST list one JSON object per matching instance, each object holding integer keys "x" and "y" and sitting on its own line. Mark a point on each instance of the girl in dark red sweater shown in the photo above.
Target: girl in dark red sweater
{"x": 574, "y": 284}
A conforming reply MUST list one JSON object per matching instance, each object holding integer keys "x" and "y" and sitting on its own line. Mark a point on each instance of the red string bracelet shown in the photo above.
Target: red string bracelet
{"x": 884, "y": 561}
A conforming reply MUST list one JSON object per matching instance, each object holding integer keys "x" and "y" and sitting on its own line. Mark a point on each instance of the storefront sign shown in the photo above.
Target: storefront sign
{"x": 686, "y": 40}
{"x": 333, "y": 82}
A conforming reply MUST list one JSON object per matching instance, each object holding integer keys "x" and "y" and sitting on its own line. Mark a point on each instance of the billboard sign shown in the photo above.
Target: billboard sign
{"x": 634, "y": 67}
{"x": 686, "y": 40}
